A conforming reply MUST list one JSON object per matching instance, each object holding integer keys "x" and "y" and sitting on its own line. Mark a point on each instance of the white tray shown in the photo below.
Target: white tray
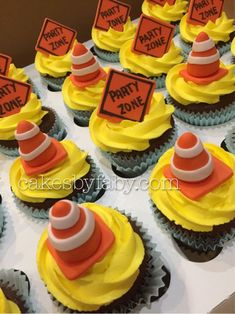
{"x": 194, "y": 288}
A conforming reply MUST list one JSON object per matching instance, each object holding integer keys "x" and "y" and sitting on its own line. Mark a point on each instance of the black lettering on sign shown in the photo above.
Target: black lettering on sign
{"x": 124, "y": 91}
{"x": 134, "y": 104}
{"x": 11, "y": 105}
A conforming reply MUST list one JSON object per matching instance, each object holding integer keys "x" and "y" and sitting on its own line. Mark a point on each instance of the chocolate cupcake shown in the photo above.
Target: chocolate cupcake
{"x": 196, "y": 203}
{"x": 14, "y": 292}
{"x": 48, "y": 170}
{"x": 203, "y": 90}
{"x": 85, "y": 260}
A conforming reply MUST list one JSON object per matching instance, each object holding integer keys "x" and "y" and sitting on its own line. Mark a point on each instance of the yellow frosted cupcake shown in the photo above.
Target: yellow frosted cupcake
{"x": 167, "y": 12}
{"x": 48, "y": 170}
{"x": 192, "y": 188}
{"x": 46, "y": 118}
{"x": 83, "y": 89}
{"x": 133, "y": 146}
{"x": 203, "y": 90}
{"x": 80, "y": 258}
{"x": 221, "y": 31}
{"x": 233, "y": 49}
{"x": 53, "y": 69}
{"x": 108, "y": 43}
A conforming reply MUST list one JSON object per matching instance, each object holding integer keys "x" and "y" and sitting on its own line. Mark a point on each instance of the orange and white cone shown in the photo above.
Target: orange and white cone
{"x": 39, "y": 153}
{"x": 77, "y": 238}
{"x": 72, "y": 231}
{"x": 203, "y": 65}
{"x": 191, "y": 162}
{"x": 85, "y": 68}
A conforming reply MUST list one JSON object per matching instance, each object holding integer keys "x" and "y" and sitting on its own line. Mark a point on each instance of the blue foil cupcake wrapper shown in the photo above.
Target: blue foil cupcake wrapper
{"x": 200, "y": 242}
{"x": 133, "y": 166}
{"x": 96, "y": 190}
{"x": 18, "y": 283}
{"x": 82, "y": 117}
{"x": 230, "y": 140}
{"x": 186, "y": 47}
{"x": 57, "y": 131}
{"x": 154, "y": 277}
{"x": 54, "y": 83}
{"x": 107, "y": 55}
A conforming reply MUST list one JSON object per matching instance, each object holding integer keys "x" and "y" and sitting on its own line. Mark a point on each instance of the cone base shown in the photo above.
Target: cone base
{"x": 102, "y": 75}
{"x": 204, "y": 80}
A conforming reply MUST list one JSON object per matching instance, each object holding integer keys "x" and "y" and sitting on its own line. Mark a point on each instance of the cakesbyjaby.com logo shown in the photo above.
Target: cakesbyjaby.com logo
{"x": 85, "y": 185}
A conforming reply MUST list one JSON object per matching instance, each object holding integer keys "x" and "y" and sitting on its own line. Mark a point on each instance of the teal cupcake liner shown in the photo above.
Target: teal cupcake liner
{"x": 210, "y": 118}
{"x": 230, "y": 140}
{"x": 35, "y": 89}
{"x": 200, "y": 242}
{"x": 155, "y": 282}
{"x": 160, "y": 80}
{"x": 17, "y": 282}
{"x": 11, "y": 152}
{"x": 106, "y": 55}
{"x": 54, "y": 84}
{"x": 81, "y": 117}
{"x": 134, "y": 166}
{"x": 186, "y": 47}
{"x": 95, "y": 191}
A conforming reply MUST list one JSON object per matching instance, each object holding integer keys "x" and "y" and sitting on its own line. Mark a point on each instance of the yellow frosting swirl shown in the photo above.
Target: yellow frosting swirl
{"x": 55, "y": 66}
{"x": 215, "y": 208}
{"x": 186, "y": 92}
{"x": 7, "y": 306}
{"x": 148, "y": 65}
{"x": 17, "y": 74}
{"x": 233, "y": 47}
{"x": 112, "y": 40}
{"x": 169, "y": 13}
{"x": 53, "y": 184}
{"x": 108, "y": 279}
{"x": 218, "y": 31}
{"x": 87, "y": 98}
{"x": 32, "y": 111}
{"x": 130, "y": 135}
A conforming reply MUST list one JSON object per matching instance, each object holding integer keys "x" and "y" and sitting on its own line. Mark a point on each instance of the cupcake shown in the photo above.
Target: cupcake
{"x": 14, "y": 292}
{"x": 83, "y": 89}
{"x": 133, "y": 146}
{"x": 80, "y": 260}
{"x": 107, "y": 44}
{"x": 166, "y": 11}
{"x": 45, "y": 117}
{"x": 48, "y": 170}
{"x": 54, "y": 69}
{"x": 203, "y": 90}
{"x": 221, "y": 31}
{"x": 196, "y": 202}
{"x": 229, "y": 142}
{"x": 147, "y": 64}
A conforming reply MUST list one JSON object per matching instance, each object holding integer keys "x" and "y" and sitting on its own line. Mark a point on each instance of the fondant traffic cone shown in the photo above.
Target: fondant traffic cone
{"x": 85, "y": 68}
{"x": 203, "y": 65}
{"x": 191, "y": 162}
{"x": 77, "y": 237}
{"x": 39, "y": 153}
{"x": 73, "y": 232}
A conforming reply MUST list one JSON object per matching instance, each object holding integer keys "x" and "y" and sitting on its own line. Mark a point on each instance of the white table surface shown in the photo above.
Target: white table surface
{"x": 194, "y": 288}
